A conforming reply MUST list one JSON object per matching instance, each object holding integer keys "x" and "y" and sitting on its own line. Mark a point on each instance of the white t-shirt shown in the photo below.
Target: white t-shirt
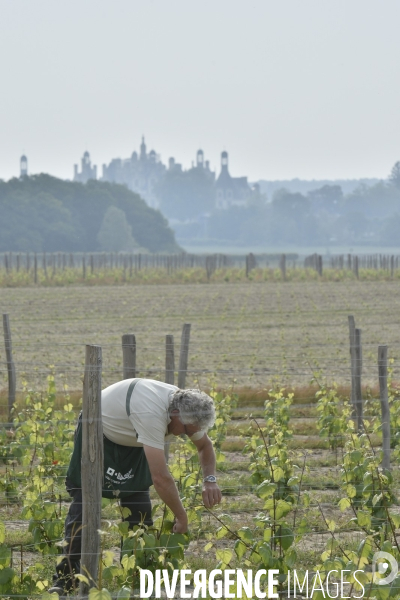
{"x": 149, "y": 418}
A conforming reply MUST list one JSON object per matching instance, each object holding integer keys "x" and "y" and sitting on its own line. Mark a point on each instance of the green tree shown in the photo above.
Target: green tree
{"x": 115, "y": 234}
{"x": 43, "y": 213}
{"x": 394, "y": 176}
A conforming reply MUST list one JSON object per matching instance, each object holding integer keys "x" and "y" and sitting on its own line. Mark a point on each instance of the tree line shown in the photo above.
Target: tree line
{"x": 367, "y": 215}
{"x": 41, "y": 213}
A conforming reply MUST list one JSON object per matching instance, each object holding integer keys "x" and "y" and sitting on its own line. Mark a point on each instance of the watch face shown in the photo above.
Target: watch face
{"x": 211, "y": 478}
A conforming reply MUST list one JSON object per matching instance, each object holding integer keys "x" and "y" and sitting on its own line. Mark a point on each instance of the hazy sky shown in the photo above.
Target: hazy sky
{"x": 290, "y": 88}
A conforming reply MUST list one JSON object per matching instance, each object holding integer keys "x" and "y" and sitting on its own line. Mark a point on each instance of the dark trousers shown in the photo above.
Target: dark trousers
{"x": 138, "y": 503}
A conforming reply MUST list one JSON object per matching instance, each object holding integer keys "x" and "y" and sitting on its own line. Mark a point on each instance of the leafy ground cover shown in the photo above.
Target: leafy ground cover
{"x": 286, "y": 505}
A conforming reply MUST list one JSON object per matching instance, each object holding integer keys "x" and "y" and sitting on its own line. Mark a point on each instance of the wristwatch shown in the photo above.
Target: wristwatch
{"x": 210, "y": 479}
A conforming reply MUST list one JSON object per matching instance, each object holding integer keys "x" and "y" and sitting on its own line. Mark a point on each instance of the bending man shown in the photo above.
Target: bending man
{"x": 139, "y": 416}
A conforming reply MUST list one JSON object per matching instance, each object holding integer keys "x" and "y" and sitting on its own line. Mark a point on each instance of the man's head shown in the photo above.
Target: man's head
{"x": 195, "y": 408}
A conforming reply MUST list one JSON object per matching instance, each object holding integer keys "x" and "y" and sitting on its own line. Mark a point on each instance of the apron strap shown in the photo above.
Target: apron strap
{"x": 129, "y": 394}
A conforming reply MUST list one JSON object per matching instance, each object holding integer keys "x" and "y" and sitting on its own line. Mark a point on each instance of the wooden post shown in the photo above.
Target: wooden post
{"x": 35, "y": 268}
{"x": 282, "y": 265}
{"x": 169, "y": 375}
{"x": 355, "y": 266}
{"x": 92, "y": 468}
{"x": 53, "y": 265}
{"x": 169, "y": 359}
{"x": 129, "y": 355}
{"x": 44, "y": 264}
{"x": 383, "y": 392}
{"x": 357, "y": 378}
{"x": 84, "y": 266}
{"x": 320, "y": 265}
{"x": 352, "y": 329}
{"x": 184, "y": 354}
{"x": 12, "y": 379}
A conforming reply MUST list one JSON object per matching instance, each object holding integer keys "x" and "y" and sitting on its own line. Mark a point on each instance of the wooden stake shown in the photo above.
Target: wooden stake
{"x": 184, "y": 355}
{"x": 282, "y": 266}
{"x": 12, "y": 379}
{"x": 92, "y": 468}
{"x": 357, "y": 379}
{"x": 169, "y": 360}
{"x": 352, "y": 329}
{"x": 383, "y": 391}
{"x": 129, "y": 355}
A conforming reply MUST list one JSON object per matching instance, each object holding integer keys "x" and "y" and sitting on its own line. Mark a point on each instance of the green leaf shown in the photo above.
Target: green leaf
{"x": 396, "y": 520}
{"x": 344, "y": 504}
{"x": 267, "y": 534}
{"x": 382, "y": 592}
{"x": 293, "y": 480}
{"x": 2, "y": 532}
{"x": 108, "y": 558}
{"x": 351, "y": 491}
{"x": 124, "y": 593}
{"x": 331, "y": 525}
{"x": 225, "y": 556}
{"x": 83, "y": 578}
{"x": 95, "y": 594}
{"x": 125, "y": 512}
{"x": 5, "y": 555}
{"x": 285, "y": 537}
{"x": 266, "y": 489}
{"x": 364, "y": 519}
{"x": 150, "y": 540}
{"x": 278, "y": 473}
{"x": 128, "y": 562}
{"x": 281, "y": 508}
{"x": 221, "y": 533}
{"x": 376, "y": 499}
{"x": 240, "y": 549}
{"x": 266, "y": 554}
{"x": 123, "y": 527}
{"x": 245, "y": 534}
{"x": 6, "y": 575}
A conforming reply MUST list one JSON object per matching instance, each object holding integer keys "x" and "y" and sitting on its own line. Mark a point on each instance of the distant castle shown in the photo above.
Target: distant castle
{"x": 141, "y": 172}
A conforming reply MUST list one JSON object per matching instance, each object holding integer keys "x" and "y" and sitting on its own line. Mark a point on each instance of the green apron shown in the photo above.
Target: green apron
{"x": 125, "y": 467}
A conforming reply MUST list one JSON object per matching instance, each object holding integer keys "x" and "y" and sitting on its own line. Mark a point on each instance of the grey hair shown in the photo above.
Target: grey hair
{"x": 195, "y": 408}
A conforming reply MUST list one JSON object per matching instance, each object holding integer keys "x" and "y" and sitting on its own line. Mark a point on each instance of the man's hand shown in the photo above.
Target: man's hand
{"x": 211, "y": 494}
{"x": 180, "y": 526}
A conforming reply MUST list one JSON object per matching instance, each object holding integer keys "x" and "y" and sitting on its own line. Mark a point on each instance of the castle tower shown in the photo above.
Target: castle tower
{"x": 224, "y": 161}
{"x": 88, "y": 171}
{"x": 143, "y": 155}
{"x": 23, "y": 163}
{"x": 200, "y": 158}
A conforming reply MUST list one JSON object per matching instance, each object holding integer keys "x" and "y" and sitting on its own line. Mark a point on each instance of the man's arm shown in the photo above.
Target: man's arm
{"x": 211, "y": 492}
{"x": 165, "y": 486}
